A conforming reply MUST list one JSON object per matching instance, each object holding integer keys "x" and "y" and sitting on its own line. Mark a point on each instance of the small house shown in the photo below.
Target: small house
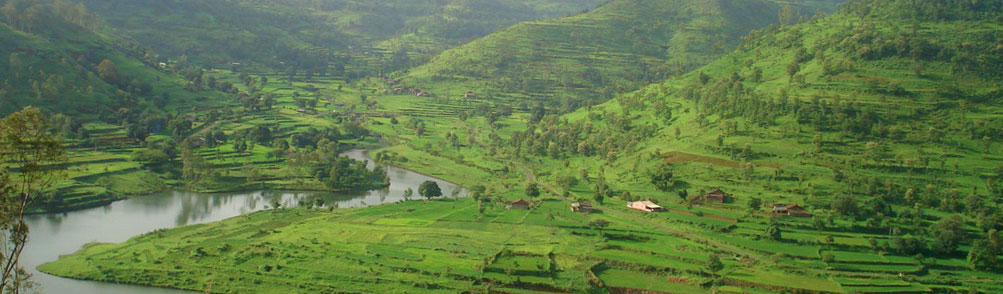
{"x": 192, "y": 118}
{"x": 645, "y": 206}
{"x": 581, "y": 207}
{"x": 518, "y": 204}
{"x": 469, "y": 94}
{"x": 790, "y": 210}
{"x": 717, "y": 196}
{"x": 301, "y": 110}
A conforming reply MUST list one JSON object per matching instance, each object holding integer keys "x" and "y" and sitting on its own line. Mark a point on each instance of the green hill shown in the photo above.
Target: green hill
{"x": 884, "y": 120}
{"x": 617, "y": 47}
{"x": 52, "y": 57}
{"x": 305, "y": 33}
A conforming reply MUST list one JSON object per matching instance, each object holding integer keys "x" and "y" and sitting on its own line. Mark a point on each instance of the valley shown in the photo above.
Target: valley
{"x": 857, "y": 148}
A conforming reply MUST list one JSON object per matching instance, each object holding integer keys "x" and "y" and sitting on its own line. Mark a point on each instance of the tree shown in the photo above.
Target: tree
{"x": 662, "y": 178}
{"x": 193, "y": 167}
{"x": 429, "y": 189}
{"x": 755, "y": 203}
{"x": 947, "y": 234}
{"x": 773, "y": 231}
{"x": 828, "y": 258}
{"x": 786, "y": 15}
{"x": 845, "y": 205}
{"x": 532, "y": 190}
{"x": 108, "y": 71}
{"x": 477, "y": 191}
{"x": 713, "y": 265}
{"x": 793, "y": 68}
{"x": 598, "y": 225}
{"x": 983, "y": 255}
{"x": 683, "y": 194}
{"x": 27, "y": 146}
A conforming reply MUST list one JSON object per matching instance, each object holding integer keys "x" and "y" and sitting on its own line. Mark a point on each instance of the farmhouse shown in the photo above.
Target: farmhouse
{"x": 717, "y": 196}
{"x": 469, "y": 94}
{"x": 645, "y": 206}
{"x": 790, "y": 210}
{"x": 301, "y": 110}
{"x": 581, "y": 207}
{"x": 518, "y": 204}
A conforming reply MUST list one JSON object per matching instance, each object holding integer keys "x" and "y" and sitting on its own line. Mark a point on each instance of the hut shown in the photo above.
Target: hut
{"x": 790, "y": 210}
{"x": 717, "y": 196}
{"x": 645, "y": 205}
{"x": 518, "y": 204}
{"x": 582, "y": 207}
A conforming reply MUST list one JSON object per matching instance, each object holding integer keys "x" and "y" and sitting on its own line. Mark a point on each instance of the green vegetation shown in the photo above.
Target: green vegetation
{"x": 360, "y": 37}
{"x": 591, "y": 57}
{"x": 881, "y": 120}
{"x": 61, "y": 63}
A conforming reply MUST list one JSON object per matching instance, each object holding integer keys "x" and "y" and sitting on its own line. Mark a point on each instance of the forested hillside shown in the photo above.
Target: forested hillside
{"x": 882, "y": 120}
{"x": 316, "y": 35}
{"x": 620, "y": 46}
{"x": 55, "y": 58}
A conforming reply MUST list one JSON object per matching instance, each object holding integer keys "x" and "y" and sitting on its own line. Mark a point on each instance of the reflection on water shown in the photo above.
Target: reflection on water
{"x": 55, "y": 234}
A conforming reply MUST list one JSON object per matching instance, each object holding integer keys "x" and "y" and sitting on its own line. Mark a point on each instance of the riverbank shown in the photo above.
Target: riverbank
{"x": 416, "y": 247}
{"x": 57, "y": 234}
{"x": 96, "y": 190}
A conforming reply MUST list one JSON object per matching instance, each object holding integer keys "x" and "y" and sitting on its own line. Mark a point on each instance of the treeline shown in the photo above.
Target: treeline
{"x": 604, "y": 134}
{"x": 37, "y": 15}
{"x": 927, "y": 10}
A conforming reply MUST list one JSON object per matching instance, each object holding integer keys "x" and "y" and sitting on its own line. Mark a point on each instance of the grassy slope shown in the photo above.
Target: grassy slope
{"x": 216, "y": 32}
{"x": 617, "y": 47}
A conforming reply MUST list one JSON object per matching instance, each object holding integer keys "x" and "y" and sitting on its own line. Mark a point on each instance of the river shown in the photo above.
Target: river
{"x": 56, "y": 234}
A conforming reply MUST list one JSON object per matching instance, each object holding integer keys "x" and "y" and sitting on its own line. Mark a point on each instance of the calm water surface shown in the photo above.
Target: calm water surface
{"x": 56, "y": 234}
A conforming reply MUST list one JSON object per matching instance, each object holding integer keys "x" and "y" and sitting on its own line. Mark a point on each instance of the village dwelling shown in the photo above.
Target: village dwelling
{"x": 717, "y": 196}
{"x": 518, "y": 204}
{"x": 469, "y": 94}
{"x": 581, "y": 207}
{"x": 790, "y": 210}
{"x": 645, "y": 206}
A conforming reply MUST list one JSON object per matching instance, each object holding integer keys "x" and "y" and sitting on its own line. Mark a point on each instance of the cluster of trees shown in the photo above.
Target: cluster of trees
{"x": 340, "y": 172}
{"x": 557, "y": 138}
{"x": 37, "y": 15}
{"x": 940, "y": 10}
